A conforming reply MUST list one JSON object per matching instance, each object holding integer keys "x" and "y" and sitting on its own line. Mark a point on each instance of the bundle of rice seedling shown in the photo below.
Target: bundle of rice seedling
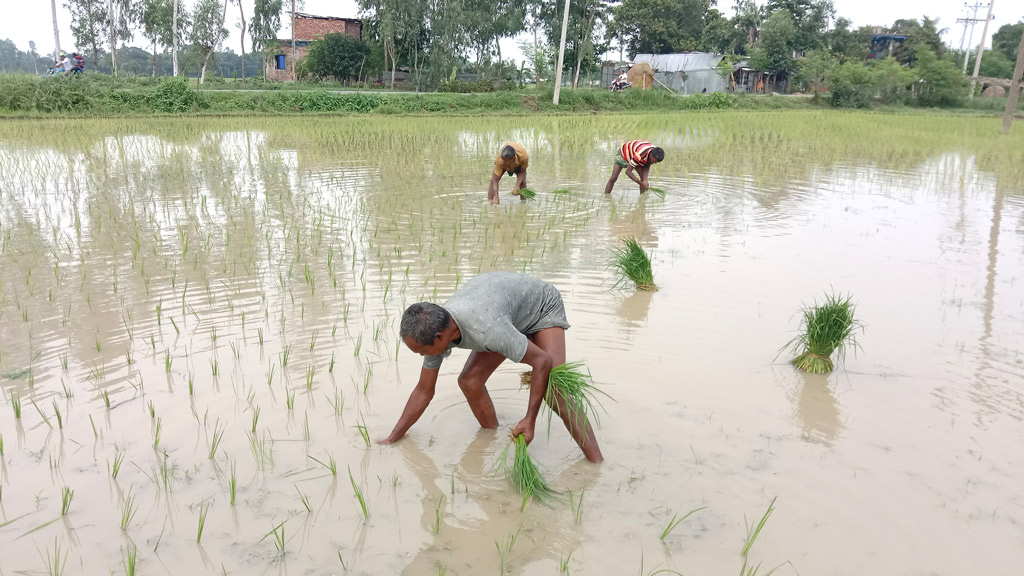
{"x": 524, "y": 473}
{"x": 574, "y": 383}
{"x": 826, "y": 328}
{"x": 632, "y": 263}
{"x": 658, "y": 191}
{"x": 527, "y": 193}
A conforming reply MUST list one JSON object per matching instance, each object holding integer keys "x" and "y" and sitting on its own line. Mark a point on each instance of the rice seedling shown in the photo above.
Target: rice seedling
{"x": 563, "y": 563}
{"x": 359, "y": 494}
{"x": 55, "y": 564}
{"x": 152, "y": 410}
{"x": 106, "y": 398}
{"x": 67, "y": 495}
{"x": 505, "y": 548}
{"x": 95, "y": 434}
{"x": 167, "y": 361}
{"x": 255, "y": 417}
{"x": 60, "y": 419}
{"x": 310, "y": 373}
{"x": 285, "y": 353}
{"x": 330, "y": 464}
{"x": 527, "y": 193}
{"x": 304, "y": 499}
{"x": 278, "y": 533}
{"x": 289, "y": 399}
{"x": 676, "y": 521}
{"x": 576, "y": 505}
{"x": 825, "y": 328}
{"x": 631, "y": 263}
{"x": 658, "y": 191}
{"x": 364, "y": 433}
{"x": 437, "y": 515}
{"x": 1, "y": 445}
{"x": 156, "y": 433}
{"x": 67, "y": 390}
{"x": 115, "y": 468}
{"x": 129, "y": 559}
{"x": 41, "y": 414}
{"x": 233, "y": 483}
{"x": 560, "y": 191}
{"x": 214, "y": 441}
{"x": 16, "y": 405}
{"x": 203, "y": 509}
{"x": 330, "y": 368}
{"x": 524, "y": 474}
{"x": 128, "y": 510}
{"x": 754, "y": 530}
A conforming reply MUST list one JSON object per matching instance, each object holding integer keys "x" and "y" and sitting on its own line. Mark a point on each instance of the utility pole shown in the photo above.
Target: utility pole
{"x": 56, "y": 31}
{"x": 1011, "y": 99}
{"x": 294, "y": 78}
{"x": 981, "y": 49}
{"x": 561, "y": 52}
{"x": 969, "y": 23}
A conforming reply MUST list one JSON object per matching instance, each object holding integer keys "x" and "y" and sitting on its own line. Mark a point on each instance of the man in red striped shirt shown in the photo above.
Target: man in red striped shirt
{"x": 635, "y": 155}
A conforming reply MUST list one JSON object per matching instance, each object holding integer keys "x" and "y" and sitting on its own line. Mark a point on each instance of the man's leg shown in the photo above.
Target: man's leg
{"x": 473, "y": 380}
{"x": 552, "y": 341}
{"x": 611, "y": 181}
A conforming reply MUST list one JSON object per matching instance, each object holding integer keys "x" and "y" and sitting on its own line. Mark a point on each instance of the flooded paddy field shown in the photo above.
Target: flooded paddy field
{"x": 199, "y": 346}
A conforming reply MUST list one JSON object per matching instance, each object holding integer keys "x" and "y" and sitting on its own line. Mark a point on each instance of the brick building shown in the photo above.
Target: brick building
{"x": 307, "y": 28}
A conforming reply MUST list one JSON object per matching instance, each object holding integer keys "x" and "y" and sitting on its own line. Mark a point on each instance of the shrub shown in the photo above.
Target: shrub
{"x": 175, "y": 96}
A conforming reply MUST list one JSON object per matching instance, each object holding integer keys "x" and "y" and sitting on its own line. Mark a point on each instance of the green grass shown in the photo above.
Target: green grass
{"x": 826, "y": 328}
{"x": 631, "y": 263}
{"x": 524, "y": 473}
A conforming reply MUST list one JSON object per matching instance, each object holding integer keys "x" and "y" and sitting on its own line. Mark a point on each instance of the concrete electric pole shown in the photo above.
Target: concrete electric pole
{"x": 981, "y": 49}
{"x": 561, "y": 52}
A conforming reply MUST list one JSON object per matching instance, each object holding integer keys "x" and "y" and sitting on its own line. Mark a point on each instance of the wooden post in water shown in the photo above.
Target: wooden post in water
{"x": 1011, "y": 98}
{"x": 561, "y": 52}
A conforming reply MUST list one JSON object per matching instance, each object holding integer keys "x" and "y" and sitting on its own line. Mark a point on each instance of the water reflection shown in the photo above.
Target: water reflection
{"x": 817, "y": 409}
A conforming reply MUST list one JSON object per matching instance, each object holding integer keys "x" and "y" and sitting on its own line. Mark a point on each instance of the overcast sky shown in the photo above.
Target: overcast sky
{"x": 26, "y": 20}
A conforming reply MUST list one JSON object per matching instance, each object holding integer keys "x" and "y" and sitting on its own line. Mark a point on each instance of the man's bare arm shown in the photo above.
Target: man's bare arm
{"x": 541, "y": 362}
{"x": 492, "y": 190}
{"x": 521, "y": 180}
{"x": 418, "y": 402}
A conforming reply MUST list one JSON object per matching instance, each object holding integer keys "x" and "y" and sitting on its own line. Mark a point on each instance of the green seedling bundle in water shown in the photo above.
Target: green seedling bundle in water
{"x": 633, "y": 264}
{"x": 527, "y": 193}
{"x": 826, "y": 328}
{"x": 573, "y": 382}
{"x": 658, "y": 191}
{"x": 524, "y": 473}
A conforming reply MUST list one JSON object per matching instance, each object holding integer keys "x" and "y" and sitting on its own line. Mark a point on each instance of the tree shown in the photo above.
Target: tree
{"x": 1006, "y": 40}
{"x": 488, "y": 21}
{"x": 850, "y": 44}
{"x": 661, "y": 26}
{"x": 994, "y": 64}
{"x": 773, "y": 52}
{"x": 337, "y": 56}
{"x": 208, "y": 30}
{"x": 942, "y": 83}
{"x": 810, "y": 19}
{"x": 815, "y": 69}
{"x": 264, "y": 26}
{"x": 921, "y": 36}
{"x": 580, "y": 44}
{"x": 88, "y": 19}
{"x": 721, "y": 35}
{"x": 121, "y": 16}
{"x": 157, "y": 17}
{"x": 241, "y": 24}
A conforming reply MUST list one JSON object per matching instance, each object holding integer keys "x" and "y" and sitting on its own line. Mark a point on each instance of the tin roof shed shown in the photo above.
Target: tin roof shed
{"x": 687, "y": 72}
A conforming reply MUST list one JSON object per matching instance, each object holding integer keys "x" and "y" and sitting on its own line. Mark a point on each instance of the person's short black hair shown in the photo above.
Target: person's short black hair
{"x": 658, "y": 154}
{"x": 424, "y": 322}
{"x": 508, "y": 153}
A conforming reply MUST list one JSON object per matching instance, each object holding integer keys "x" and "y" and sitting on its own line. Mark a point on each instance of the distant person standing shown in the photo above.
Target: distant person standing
{"x": 512, "y": 159}
{"x": 635, "y": 155}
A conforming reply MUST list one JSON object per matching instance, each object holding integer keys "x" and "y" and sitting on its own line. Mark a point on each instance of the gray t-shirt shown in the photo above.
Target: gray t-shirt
{"x": 497, "y": 310}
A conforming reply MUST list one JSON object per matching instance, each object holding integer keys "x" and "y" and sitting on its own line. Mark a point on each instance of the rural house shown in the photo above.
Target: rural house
{"x": 307, "y": 28}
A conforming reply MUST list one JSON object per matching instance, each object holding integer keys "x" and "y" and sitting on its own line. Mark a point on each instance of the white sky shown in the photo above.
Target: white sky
{"x": 31, "y": 19}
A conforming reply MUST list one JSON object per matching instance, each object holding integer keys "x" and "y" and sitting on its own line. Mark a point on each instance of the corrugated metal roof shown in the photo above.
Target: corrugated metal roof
{"x": 685, "y": 62}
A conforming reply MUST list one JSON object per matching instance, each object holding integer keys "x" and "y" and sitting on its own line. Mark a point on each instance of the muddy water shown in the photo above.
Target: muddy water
{"x": 244, "y": 280}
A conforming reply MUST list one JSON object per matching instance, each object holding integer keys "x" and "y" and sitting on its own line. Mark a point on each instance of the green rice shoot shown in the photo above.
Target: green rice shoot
{"x": 524, "y": 474}
{"x": 658, "y": 191}
{"x": 826, "y": 328}
{"x": 633, "y": 264}
{"x": 560, "y": 191}
{"x": 527, "y": 193}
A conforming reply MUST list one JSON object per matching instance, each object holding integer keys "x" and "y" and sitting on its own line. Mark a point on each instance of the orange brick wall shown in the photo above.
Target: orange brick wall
{"x": 309, "y": 29}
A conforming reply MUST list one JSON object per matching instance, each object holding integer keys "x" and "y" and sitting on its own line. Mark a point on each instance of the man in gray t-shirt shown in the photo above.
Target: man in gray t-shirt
{"x": 497, "y": 315}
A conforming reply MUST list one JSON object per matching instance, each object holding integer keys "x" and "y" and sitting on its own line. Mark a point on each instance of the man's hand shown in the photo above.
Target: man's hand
{"x": 525, "y": 427}
{"x": 388, "y": 440}
{"x": 644, "y": 185}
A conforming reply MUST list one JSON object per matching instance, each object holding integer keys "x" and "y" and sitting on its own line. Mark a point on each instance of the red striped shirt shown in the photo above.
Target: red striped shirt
{"x": 637, "y": 153}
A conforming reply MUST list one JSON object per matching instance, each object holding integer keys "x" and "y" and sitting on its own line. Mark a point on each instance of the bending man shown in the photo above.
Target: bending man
{"x": 497, "y": 315}
{"x": 514, "y": 160}
{"x": 635, "y": 155}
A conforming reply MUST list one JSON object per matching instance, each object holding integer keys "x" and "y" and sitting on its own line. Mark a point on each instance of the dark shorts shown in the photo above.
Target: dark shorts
{"x": 516, "y": 171}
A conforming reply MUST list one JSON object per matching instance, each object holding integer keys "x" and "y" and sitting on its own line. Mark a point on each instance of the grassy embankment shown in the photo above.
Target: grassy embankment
{"x": 100, "y": 95}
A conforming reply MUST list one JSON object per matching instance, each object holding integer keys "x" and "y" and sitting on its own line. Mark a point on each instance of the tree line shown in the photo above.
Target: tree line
{"x": 431, "y": 40}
